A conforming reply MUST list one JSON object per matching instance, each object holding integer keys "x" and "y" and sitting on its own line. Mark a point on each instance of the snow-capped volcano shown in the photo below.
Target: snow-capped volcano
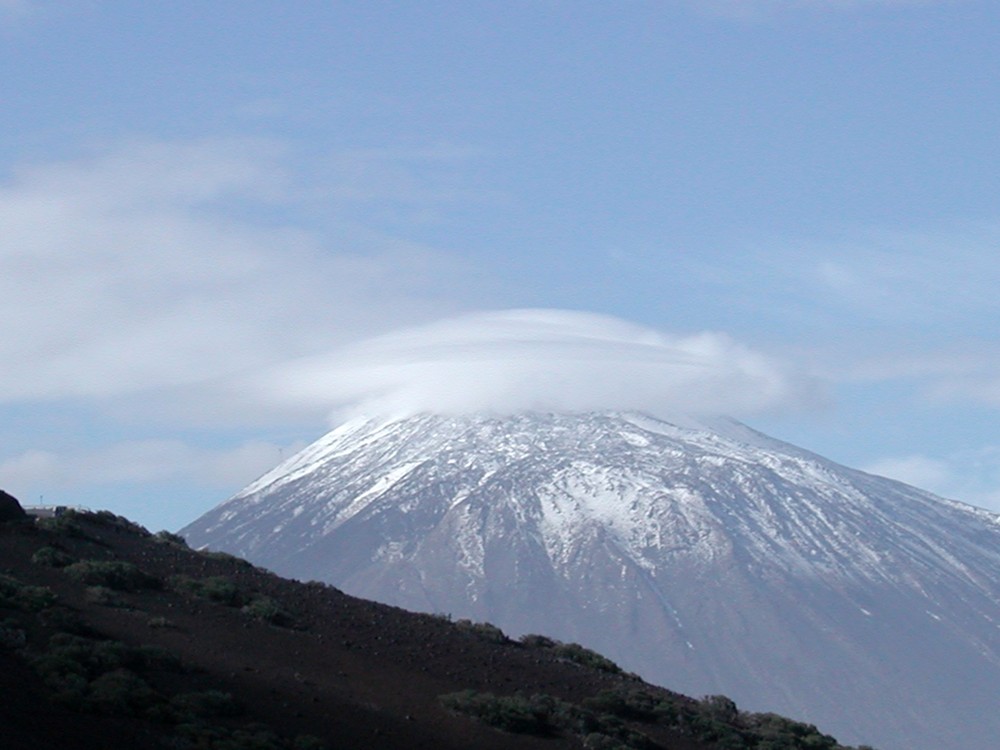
{"x": 705, "y": 556}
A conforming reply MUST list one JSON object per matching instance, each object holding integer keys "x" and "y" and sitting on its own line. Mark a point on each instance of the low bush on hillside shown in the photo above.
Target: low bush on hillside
{"x": 205, "y": 704}
{"x": 112, "y": 678}
{"x": 573, "y": 652}
{"x": 12, "y": 637}
{"x": 91, "y": 674}
{"x": 222, "y": 590}
{"x": 103, "y": 676}
{"x": 73, "y": 523}
{"x": 576, "y": 653}
{"x": 267, "y": 610}
{"x": 511, "y": 713}
{"x": 114, "y": 574}
{"x": 238, "y": 562}
{"x": 484, "y": 631}
{"x": 631, "y": 704}
{"x": 538, "y": 641}
{"x": 546, "y": 715}
{"x": 109, "y": 520}
{"x": 166, "y": 537}
{"x": 65, "y": 525}
{"x": 15, "y": 594}
{"x": 600, "y": 721}
{"x": 64, "y": 620}
{"x": 777, "y": 732}
{"x": 52, "y": 557}
{"x": 104, "y": 596}
{"x": 217, "y": 589}
{"x": 600, "y": 741}
{"x": 200, "y": 736}
{"x": 714, "y": 719}
{"x": 119, "y": 692}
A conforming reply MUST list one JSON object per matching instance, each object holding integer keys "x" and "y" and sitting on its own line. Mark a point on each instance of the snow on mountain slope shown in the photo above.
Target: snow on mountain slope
{"x": 704, "y": 555}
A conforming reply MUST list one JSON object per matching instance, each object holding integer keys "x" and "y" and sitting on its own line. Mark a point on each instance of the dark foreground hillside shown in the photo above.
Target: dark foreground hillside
{"x": 113, "y": 637}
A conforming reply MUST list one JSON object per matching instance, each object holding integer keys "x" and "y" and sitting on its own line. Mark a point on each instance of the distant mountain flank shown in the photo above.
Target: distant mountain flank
{"x": 111, "y": 636}
{"x": 704, "y": 555}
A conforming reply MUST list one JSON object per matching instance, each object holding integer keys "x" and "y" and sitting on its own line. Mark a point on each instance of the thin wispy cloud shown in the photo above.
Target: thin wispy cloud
{"x": 876, "y": 306}
{"x": 972, "y": 476}
{"x": 155, "y": 265}
{"x": 519, "y": 360}
{"x": 939, "y": 274}
{"x": 142, "y": 461}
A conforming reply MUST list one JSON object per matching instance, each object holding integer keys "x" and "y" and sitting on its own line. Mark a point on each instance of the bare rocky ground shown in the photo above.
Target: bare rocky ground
{"x": 310, "y": 664}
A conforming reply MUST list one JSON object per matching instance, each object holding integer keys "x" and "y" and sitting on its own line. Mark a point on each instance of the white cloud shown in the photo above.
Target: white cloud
{"x": 976, "y": 384}
{"x": 917, "y": 308}
{"x": 971, "y": 476}
{"x": 919, "y": 471}
{"x": 946, "y": 375}
{"x": 539, "y": 359}
{"x": 942, "y": 277}
{"x": 141, "y": 461}
{"x": 160, "y": 264}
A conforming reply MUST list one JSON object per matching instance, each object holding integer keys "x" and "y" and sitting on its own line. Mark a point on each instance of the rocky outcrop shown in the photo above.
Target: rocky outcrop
{"x": 10, "y": 508}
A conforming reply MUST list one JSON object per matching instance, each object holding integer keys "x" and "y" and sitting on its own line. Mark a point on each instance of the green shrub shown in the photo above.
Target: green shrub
{"x": 720, "y": 708}
{"x": 545, "y": 715}
{"x": 116, "y": 575}
{"x": 532, "y": 640}
{"x": 598, "y": 741}
{"x": 104, "y": 596}
{"x": 93, "y": 657}
{"x": 573, "y": 652}
{"x": 154, "y": 658}
{"x": 226, "y": 557}
{"x": 52, "y": 557}
{"x": 600, "y": 721}
{"x": 266, "y": 609}
{"x": 166, "y": 537}
{"x": 65, "y": 525}
{"x": 200, "y": 736}
{"x": 109, "y": 520}
{"x": 15, "y": 594}
{"x": 106, "y": 676}
{"x": 64, "y": 620}
{"x": 576, "y": 653}
{"x": 205, "y": 704}
{"x": 120, "y": 692}
{"x": 484, "y": 631}
{"x": 308, "y": 742}
{"x": 629, "y": 704}
{"x": 215, "y": 588}
{"x": 512, "y": 713}
{"x": 776, "y": 732}
{"x": 12, "y": 637}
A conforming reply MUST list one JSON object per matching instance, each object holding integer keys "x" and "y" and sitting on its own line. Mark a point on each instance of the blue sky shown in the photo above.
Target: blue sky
{"x": 217, "y": 220}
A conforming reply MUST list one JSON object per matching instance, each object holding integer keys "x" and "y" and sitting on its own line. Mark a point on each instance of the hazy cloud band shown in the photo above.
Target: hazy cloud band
{"x": 520, "y": 360}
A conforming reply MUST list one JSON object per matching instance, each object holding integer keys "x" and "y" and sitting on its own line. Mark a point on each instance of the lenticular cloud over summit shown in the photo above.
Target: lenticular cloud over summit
{"x": 520, "y": 360}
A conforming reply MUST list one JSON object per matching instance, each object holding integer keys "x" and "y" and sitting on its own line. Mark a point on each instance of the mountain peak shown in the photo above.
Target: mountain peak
{"x": 692, "y": 549}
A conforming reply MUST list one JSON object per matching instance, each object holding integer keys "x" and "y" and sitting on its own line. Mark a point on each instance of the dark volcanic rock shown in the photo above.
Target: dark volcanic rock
{"x": 10, "y": 508}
